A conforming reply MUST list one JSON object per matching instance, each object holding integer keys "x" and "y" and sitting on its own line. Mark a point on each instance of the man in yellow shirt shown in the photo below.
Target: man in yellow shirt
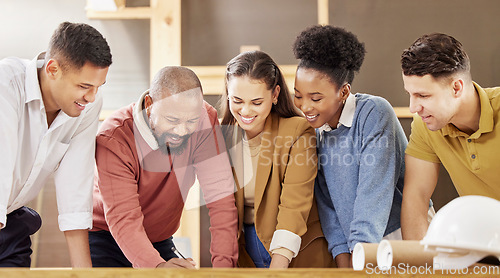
{"x": 457, "y": 125}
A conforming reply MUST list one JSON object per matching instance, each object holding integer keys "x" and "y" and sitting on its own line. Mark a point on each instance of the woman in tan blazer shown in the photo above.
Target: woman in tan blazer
{"x": 273, "y": 154}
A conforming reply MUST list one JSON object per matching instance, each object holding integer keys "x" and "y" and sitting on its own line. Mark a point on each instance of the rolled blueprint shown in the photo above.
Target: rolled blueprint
{"x": 408, "y": 252}
{"x": 364, "y": 254}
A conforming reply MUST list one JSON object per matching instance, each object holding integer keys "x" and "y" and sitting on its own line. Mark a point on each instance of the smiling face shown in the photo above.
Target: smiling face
{"x": 70, "y": 90}
{"x": 318, "y": 98}
{"x": 435, "y": 101}
{"x": 174, "y": 119}
{"x": 250, "y": 102}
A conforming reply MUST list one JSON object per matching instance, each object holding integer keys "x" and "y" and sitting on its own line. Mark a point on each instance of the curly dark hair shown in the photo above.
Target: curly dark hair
{"x": 437, "y": 54}
{"x": 74, "y": 44}
{"x": 330, "y": 50}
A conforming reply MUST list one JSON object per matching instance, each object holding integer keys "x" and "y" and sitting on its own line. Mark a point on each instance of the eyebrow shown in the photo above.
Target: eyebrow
{"x": 259, "y": 98}
{"x": 311, "y": 93}
{"x": 176, "y": 119}
{"x": 91, "y": 85}
{"x": 417, "y": 93}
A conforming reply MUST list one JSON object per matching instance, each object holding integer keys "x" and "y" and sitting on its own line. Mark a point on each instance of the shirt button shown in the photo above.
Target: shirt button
{"x": 469, "y": 140}
{"x": 473, "y": 156}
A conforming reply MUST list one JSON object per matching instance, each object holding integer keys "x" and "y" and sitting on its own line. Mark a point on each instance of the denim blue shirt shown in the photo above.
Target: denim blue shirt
{"x": 360, "y": 178}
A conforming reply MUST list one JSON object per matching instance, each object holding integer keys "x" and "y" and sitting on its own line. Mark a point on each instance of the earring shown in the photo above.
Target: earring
{"x": 275, "y": 102}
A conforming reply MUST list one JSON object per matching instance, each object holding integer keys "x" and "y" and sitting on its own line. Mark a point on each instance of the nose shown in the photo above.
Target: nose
{"x": 90, "y": 95}
{"x": 415, "y": 107}
{"x": 245, "y": 109}
{"x": 305, "y": 107}
{"x": 181, "y": 130}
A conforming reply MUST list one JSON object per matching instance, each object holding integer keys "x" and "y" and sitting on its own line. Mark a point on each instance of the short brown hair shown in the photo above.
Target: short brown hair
{"x": 437, "y": 54}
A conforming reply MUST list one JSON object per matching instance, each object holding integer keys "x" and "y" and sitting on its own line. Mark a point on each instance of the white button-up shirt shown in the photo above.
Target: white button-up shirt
{"x": 31, "y": 151}
{"x": 346, "y": 117}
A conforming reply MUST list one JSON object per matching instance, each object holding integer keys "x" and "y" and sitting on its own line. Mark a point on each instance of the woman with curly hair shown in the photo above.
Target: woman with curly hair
{"x": 360, "y": 146}
{"x": 273, "y": 154}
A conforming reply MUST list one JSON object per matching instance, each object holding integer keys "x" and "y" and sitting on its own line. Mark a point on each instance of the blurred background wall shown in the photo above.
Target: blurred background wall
{"x": 213, "y": 31}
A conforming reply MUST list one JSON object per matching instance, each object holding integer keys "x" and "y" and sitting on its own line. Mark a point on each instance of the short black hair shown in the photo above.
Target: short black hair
{"x": 437, "y": 54}
{"x": 74, "y": 44}
{"x": 330, "y": 50}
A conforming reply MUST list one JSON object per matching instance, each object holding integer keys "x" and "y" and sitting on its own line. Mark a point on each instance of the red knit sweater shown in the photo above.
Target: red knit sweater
{"x": 139, "y": 193}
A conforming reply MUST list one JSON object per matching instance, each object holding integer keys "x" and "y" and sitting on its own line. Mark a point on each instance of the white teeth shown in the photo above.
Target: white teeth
{"x": 247, "y": 119}
{"x": 311, "y": 117}
{"x": 82, "y": 105}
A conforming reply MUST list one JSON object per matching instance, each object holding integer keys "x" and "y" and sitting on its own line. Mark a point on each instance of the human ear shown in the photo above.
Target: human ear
{"x": 458, "y": 87}
{"x": 52, "y": 68}
{"x": 276, "y": 93}
{"x": 148, "y": 103}
{"x": 346, "y": 89}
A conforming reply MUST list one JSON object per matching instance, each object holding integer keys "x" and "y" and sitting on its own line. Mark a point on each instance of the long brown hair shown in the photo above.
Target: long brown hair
{"x": 257, "y": 65}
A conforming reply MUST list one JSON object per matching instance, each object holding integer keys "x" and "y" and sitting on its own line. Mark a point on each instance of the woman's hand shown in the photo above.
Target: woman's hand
{"x": 279, "y": 261}
{"x": 343, "y": 260}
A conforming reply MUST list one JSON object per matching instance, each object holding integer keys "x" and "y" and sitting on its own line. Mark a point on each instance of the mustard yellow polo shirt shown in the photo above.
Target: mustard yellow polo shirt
{"x": 473, "y": 162}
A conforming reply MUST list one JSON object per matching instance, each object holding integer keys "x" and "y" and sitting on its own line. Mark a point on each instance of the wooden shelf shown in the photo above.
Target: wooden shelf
{"x": 403, "y": 112}
{"x": 212, "y": 77}
{"x": 166, "y": 43}
{"x": 121, "y": 13}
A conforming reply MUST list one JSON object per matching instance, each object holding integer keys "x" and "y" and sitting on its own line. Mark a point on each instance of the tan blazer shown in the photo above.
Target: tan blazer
{"x": 284, "y": 187}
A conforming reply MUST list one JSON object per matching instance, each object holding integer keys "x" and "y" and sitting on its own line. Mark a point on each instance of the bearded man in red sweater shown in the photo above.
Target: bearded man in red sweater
{"x": 148, "y": 155}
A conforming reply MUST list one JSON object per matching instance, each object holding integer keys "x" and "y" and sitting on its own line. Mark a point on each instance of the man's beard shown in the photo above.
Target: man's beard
{"x": 164, "y": 146}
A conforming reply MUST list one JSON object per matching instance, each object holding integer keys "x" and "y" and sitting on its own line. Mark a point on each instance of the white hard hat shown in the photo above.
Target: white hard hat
{"x": 464, "y": 231}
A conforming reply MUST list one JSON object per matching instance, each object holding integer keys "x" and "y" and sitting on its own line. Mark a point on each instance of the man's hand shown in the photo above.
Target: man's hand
{"x": 178, "y": 263}
{"x": 420, "y": 181}
{"x": 78, "y": 245}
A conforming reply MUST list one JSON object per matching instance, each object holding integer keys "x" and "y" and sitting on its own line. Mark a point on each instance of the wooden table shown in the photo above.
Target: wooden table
{"x": 209, "y": 272}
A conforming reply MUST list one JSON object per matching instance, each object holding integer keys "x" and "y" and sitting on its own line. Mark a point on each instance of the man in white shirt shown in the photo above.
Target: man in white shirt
{"x": 49, "y": 109}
